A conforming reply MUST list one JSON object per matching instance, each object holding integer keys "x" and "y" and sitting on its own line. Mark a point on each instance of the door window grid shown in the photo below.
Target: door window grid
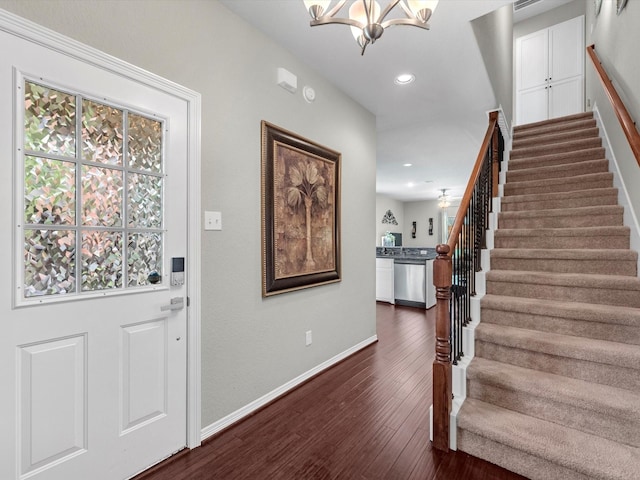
{"x": 103, "y": 193}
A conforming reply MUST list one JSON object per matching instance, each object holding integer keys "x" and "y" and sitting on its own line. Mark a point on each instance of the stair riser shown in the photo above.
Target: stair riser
{"x": 561, "y": 222}
{"x": 530, "y": 466}
{"x": 618, "y": 428}
{"x": 562, "y": 171}
{"x": 564, "y": 326}
{"x": 554, "y": 265}
{"x": 562, "y": 204}
{"x": 553, "y": 138}
{"x": 613, "y": 375}
{"x": 603, "y": 241}
{"x": 556, "y": 159}
{"x": 572, "y": 146}
{"x": 619, "y": 297}
{"x": 557, "y": 187}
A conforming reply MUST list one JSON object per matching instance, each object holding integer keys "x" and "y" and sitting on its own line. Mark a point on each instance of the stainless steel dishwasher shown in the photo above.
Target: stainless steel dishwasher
{"x": 409, "y": 283}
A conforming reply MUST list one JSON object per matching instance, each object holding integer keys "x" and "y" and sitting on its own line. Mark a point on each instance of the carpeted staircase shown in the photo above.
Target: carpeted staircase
{"x": 554, "y": 389}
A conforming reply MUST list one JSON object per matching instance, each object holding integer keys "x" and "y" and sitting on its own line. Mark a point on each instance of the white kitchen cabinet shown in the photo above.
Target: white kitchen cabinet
{"x": 550, "y": 72}
{"x": 430, "y": 296}
{"x": 384, "y": 280}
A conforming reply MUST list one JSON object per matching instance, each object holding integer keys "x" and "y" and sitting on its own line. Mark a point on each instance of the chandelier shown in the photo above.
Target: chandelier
{"x": 443, "y": 200}
{"x": 367, "y": 20}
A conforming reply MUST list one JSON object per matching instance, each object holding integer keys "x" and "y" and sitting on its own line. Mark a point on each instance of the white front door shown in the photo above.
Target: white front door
{"x": 94, "y": 201}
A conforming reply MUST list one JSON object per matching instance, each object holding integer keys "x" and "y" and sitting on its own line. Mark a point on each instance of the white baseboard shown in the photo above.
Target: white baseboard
{"x": 250, "y": 408}
{"x": 630, "y": 218}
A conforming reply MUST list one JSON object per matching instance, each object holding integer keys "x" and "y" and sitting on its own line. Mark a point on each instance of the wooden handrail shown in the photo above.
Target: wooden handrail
{"x": 442, "y": 280}
{"x": 626, "y": 122}
{"x": 466, "y": 199}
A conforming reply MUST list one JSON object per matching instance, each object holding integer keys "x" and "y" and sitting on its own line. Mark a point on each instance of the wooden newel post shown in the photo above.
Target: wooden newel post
{"x": 442, "y": 364}
{"x": 495, "y": 154}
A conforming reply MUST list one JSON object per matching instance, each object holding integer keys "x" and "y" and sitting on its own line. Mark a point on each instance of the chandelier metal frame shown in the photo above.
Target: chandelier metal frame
{"x": 375, "y": 27}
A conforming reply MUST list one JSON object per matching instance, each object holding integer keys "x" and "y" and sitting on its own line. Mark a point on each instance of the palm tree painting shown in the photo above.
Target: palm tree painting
{"x": 300, "y": 212}
{"x": 304, "y": 213}
{"x": 306, "y": 186}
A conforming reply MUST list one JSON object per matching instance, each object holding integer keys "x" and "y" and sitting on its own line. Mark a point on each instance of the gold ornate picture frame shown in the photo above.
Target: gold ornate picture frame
{"x": 300, "y": 212}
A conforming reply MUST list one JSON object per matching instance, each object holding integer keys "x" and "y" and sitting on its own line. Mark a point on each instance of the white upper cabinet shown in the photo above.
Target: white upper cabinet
{"x": 550, "y": 72}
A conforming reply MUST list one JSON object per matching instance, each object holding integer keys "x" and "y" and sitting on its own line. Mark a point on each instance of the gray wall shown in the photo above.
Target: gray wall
{"x": 420, "y": 212}
{"x": 384, "y": 203}
{"x": 616, "y": 38}
{"x": 494, "y": 34}
{"x": 250, "y": 345}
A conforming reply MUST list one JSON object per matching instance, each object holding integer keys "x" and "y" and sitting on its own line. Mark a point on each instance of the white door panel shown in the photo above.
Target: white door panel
{"x": 565, "y": 97}
{"x": 567, "y": 49}
{"x": 101, "y": 381}
{"x": 532, "y": 105}
{"x": 533, "y": 53}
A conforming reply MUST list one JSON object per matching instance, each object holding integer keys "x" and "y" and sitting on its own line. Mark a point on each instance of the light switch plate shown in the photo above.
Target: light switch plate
{"x": 213, "y": 220}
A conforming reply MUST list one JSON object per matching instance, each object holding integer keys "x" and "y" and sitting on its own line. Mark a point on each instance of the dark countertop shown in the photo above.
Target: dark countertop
{"x": 413, "y": 255}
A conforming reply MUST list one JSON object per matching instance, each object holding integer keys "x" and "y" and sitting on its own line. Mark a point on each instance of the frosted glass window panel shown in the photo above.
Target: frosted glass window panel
{"x": 101, "y": 260}
{"x": 49, "y": 262}
{"x": 145, "y": 256}
{"x": 102, "y": 192}
{"x": 49, "y": 120}
{"x": 101, "y": 133}
{"x": 101, "y": 196}
{"x": 49, "y": 196}
{"x": 144, "y": 143}
{"x": 145, "y": 201}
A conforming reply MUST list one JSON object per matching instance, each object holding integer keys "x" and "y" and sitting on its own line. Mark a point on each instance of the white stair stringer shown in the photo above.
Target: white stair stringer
{"x": 459, "y": 371}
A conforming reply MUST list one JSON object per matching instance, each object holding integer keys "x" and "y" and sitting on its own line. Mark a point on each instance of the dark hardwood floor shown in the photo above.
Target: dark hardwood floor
{"x": 365, "y": 418}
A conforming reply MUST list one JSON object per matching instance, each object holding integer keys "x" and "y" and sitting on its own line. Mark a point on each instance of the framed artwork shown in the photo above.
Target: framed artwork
{"x": 300, "y": 212}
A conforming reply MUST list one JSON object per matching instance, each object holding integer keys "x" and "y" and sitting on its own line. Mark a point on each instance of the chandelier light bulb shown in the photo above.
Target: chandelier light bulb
{"x": 422, "y": 9}
{"x": 372, "y": 30}
{"x": 316, "y": 7}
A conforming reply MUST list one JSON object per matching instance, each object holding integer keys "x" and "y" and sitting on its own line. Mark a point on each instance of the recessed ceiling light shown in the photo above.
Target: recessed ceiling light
{"x": 410, "y": 184}
{"x": 407, "y": 164}
{"x": 404, "y": 79}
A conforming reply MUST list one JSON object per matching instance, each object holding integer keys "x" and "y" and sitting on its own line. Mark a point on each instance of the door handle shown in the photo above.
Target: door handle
{"x": 177, "y": 303}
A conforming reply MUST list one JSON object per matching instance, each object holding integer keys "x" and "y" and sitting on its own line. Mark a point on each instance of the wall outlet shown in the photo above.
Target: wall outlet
{"x": 308, "y": 339}
{"x": 423, "y": 252}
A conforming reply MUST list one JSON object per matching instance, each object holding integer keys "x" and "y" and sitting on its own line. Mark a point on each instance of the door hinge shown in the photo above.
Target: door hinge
{"x": 188, "y": 302}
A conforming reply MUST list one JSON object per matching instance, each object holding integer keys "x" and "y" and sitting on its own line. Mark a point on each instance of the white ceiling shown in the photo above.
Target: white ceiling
{"x": 436, "y": 123}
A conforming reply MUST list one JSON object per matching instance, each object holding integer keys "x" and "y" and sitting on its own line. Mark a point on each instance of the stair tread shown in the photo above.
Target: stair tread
{"x": 539, "y": 150}
{"x": 584, "y": 122}
{"x": 553, "y": 121}
{"x": 559, "y": 345}
{"x": 592, "y": 312}
{"x": 559, "y": 196}
{"x": 556, "y": 136}
{"x": 563, "y": 232}
{"x": 588, "y": 210}
{"x": 591, "y": 153}
{"x": 565, "y": 254}
{"x": 576, "y": 280}
{"x": 561, "y": 181}
{"x": 560, "y": 168}
{"x": 591, "y": 396}
{"x": 585, "y": 453}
